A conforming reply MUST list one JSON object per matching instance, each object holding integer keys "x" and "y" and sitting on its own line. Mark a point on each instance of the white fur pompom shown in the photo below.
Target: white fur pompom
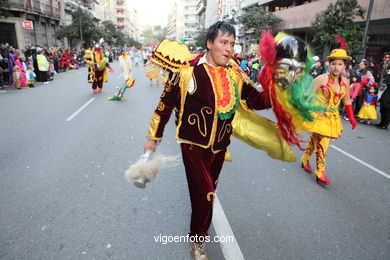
{"x": 148, "y": 165}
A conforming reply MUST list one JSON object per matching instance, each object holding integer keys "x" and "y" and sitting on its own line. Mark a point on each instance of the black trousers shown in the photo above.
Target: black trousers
{"x": 43, "y": 77}
{"x": 385, "y": 116}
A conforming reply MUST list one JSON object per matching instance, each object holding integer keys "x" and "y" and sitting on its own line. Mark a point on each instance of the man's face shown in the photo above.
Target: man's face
{"x": 221, "y": 49}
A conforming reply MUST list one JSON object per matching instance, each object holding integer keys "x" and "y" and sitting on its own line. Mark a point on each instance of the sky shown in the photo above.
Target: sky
{"x": 152, "y": 12}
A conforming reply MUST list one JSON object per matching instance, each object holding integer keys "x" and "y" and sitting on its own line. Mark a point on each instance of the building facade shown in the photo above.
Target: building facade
{"x": 175, "y": 25}
{"x": 32, "y": 22}
{"x": 298, "y": 16}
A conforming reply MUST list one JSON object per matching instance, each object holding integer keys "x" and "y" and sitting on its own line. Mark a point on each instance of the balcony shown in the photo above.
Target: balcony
{"x": 19, "y": 4}
{"x": 36, "y": 6}
{"x": 190, "y": 30}
{"x": 120, "y": 7}
{"x": 190, "y": 12}
{"x": 249, "y": 3}
{"x": 191, "y": 22}
{"x": 190, "y": 4}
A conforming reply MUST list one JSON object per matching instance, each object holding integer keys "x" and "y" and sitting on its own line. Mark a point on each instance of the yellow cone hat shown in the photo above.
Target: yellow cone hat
{"x": 339, "y": 54}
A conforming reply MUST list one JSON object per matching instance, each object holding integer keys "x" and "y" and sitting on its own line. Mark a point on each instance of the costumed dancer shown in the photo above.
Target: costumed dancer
{"x": 368, "y": 110}
{"x": 206, "y": 93}
{"x": 125, "y": 64}
{"x": 213, "y": 99}
{"x": 331, "y": 89}
{"x": 97, "y": 73}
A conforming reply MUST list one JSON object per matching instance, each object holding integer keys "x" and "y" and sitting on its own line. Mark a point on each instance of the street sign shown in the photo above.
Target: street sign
{"x": 28, "y": 25}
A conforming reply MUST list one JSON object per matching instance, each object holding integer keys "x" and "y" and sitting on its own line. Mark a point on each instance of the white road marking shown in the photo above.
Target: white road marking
{"x": 79, "y": 110}
{"x": 231, "y": 250}
{"x": 362, "y": 162}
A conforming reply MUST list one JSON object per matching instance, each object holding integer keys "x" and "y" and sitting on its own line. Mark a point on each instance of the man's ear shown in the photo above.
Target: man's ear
{"x": 209, "y": 43}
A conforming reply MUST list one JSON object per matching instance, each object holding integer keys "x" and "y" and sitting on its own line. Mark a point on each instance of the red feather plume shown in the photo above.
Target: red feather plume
{"x": 343, "y": 43}
{"x": 266, "y": 78}
{"x": 267, "y": 47}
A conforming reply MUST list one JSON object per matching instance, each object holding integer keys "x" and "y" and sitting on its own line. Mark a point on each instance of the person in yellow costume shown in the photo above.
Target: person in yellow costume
{"x": 331, "y": 89}
{"x": 97, "y": 65}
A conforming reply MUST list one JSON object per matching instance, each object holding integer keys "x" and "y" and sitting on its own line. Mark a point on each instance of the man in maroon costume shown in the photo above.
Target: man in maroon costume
{"x": 97, "y": 73}
{"x": 205, "y": 108}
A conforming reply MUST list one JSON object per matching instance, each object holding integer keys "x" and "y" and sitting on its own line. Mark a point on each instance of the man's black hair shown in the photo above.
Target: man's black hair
{"x": 214, "y": 29}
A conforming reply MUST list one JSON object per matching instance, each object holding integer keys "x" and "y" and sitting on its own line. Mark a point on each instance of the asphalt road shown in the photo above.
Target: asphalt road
{"x": 63, "y": 194}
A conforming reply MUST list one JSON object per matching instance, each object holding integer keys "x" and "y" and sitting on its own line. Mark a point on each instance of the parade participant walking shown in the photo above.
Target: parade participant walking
{"x": 206, "y": 95}
{"x": 97, "y": 73}
{"x": 331, "y": 89}
{"x": 125, "y": 64}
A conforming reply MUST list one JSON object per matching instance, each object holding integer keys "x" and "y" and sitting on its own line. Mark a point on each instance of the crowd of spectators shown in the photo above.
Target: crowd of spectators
{"x": 44, "y": 62}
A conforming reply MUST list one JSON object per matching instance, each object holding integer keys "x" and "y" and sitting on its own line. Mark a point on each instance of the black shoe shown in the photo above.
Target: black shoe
{"x": 379, "y": 125}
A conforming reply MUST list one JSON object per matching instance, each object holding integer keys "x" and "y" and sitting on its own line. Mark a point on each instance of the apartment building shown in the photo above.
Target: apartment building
{"x": 299, "y": 14}
{"x": 32, "y": 22}
{"x": 191, "y": 21}
{"x": 175, "y": 26}
{"x": 127, "y": 19}
{"x": 201, "y": 13}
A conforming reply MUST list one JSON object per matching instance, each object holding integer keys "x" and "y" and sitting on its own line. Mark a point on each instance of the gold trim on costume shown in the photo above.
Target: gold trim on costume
{"x": 161, "y": 106}
{"x": 153, "y": 126}
{"x": 209, "y": 196}
{"x": 224, "y": 129}
{"x": 215, "y": 121}
{"x": 168, "y": 86}
{"x": 193, "y": 118}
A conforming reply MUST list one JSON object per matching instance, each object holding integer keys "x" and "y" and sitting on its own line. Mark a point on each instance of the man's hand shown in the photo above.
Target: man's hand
{"x": 150, "y": 145}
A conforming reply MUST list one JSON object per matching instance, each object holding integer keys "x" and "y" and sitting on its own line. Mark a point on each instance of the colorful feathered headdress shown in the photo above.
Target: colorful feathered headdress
{"x": 293, "y": 105}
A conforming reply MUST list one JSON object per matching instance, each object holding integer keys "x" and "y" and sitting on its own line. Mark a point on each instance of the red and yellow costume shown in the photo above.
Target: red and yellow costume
{"x": 326, "y": 125}
{"x": 97, "y": 72}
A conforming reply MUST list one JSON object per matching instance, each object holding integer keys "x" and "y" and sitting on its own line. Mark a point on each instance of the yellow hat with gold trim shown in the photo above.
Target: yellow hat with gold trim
{"x": 339, "y": 54}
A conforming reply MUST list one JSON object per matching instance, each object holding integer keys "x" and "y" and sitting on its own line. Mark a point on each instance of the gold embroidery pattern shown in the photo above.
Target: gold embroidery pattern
{"x": 224, "y": 130}
{"x": 163, "y": 94}
{"x": 209, "y": 196}
{"x": 193, "y": 118}
{"x": 168, "y": 86}
{"x": 161, "y": 106}
{"x": 153, "y": 127}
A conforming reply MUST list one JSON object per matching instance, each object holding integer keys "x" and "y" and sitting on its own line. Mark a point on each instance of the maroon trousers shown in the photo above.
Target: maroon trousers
{"x": 98, "y": 82}
{"x": 202, "y": 169}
